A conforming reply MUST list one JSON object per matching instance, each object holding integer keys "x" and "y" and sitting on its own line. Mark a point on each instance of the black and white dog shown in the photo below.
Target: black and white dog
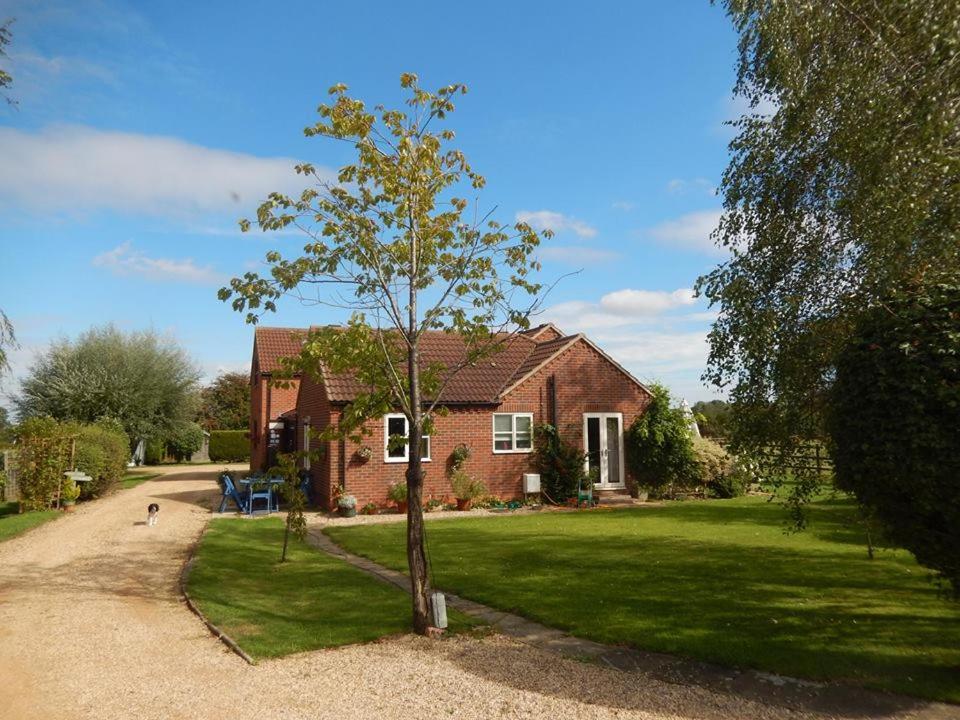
{"x": 153, "y": 511}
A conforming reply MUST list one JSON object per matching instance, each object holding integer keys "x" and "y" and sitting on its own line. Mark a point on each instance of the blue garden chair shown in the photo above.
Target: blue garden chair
{"x": 306, "y": 487}
{"x": 264, "y": 492}
{"x": 230, "y": 493}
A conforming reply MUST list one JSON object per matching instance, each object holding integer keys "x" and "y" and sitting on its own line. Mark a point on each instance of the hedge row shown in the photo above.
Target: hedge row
{"x": 229, "y": 446}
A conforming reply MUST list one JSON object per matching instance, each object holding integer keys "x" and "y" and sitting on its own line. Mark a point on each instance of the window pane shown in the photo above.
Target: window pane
{"x": 523, "y": 441}
{"x": 502, "y": 423}
{"x": 425, "y": 446}
{"x": 523, "y": 423}
{"x": 396, "y": 426}
{"x": 503, "y": 442}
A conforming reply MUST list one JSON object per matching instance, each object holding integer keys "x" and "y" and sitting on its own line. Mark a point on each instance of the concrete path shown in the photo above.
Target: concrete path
{"x": 767, "y": 688}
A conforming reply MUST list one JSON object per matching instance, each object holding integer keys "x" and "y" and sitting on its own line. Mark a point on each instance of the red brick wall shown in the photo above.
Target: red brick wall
{"x": 585, "y": 382}
{"x": 267, "y": 403}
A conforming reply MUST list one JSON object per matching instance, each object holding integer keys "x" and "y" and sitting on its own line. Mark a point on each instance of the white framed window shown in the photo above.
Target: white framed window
{"x": 512, "y": 432}
{"x": 395, "y": 425}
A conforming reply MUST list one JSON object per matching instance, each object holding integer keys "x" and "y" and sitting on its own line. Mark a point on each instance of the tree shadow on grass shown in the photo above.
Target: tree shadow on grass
{"x": 813, "y": 610}
{"x": 529, "y": 670}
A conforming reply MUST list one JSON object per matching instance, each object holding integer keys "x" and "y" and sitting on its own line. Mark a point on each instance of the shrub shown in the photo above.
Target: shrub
{"x": 892, "y": 417}
{"x": 229, "y": 446}
{"x": 102, "y": 452}
{"x": 185, "y": 440}
{"x": 659, "y": 447}
{"x": 559, "y": 463}
{"x": 466, "y": 487}
{"x": 712, "y": 468}
{"x": 397, "y": 492}
{"x": 43, "y": 453}
{"x": 154, "y": 451}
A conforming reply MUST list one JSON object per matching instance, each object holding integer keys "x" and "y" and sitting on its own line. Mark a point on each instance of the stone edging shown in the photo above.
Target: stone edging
{"x": 217, "y": 632}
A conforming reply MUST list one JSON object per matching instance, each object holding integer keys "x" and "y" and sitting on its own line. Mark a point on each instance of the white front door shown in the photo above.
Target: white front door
{"x": 603, "y": 445}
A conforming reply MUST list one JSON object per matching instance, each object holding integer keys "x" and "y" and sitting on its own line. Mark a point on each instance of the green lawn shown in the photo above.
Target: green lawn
{"x": 312, "y": 601}
{"x": 13, "y": 523}
{"x": 717, "y": 580}
{"x": 132, "y": 479}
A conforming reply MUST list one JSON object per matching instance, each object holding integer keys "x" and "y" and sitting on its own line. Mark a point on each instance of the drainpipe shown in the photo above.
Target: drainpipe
{"x": 552, "y": 394}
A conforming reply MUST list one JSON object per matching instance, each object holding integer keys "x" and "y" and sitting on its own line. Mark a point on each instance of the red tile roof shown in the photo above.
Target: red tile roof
{"x": 479, "y": 382}
{"x": 483, "y": 382}
{"x": 273, "y": 343}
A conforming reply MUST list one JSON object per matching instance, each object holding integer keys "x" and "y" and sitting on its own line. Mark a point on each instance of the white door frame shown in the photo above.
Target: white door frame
{"x": 604, "y": 449}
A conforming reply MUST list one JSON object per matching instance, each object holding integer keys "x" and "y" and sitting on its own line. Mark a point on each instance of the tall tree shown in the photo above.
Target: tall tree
{"x": 392, "y": 241}
{"x": 846, "y": 184}
{"x": 6, "y": 37}
{"x": 225, "y": 403}
{"x": 8, "y": 340}
{"x": 142, "y": 379}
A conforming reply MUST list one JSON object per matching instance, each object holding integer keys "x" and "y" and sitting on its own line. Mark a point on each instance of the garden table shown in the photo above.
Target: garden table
{"x": 268, "y": 493}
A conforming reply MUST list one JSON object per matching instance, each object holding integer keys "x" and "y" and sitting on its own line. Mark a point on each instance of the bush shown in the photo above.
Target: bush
{"x": 185, "y": 440}
{"x": 154, "y": 451}
{"x": 559, "y": 463}
{"x": 712, "y": 468}
{"x": 893, "y": 420}
{"x": 229, "y": 446}
{"x": 659, "y": 447}
{"x": 466, "y": 487}
{"x": 102, "y": 452}
{"x": 43, "y": 454}
{"x": 397, "y": 492}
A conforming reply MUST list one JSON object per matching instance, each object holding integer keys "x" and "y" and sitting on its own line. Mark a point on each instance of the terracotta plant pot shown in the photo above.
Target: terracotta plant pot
{"x": 464, "y": 503}
{"x": 68, "y": 505}
{"x": 402, "y": 507}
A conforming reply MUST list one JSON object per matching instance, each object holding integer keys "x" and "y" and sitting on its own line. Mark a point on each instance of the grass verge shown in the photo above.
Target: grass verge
{"x": 312, "y": 601}
{"x": 131, "y": 480}
{"x": 719, "y": 580}
{"x": 13, "y": 523}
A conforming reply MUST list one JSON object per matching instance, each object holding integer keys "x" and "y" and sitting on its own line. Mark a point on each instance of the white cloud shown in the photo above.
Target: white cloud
{"x": 557, "y": 222}
{"x": 75, "y": 168}
{"x": 618, "y": 308}
{"x": 691, "y": 230}
{"x": 624, "y": 205}
{"x": 126, "y": 261}
{"x": 578, "y": 255}
{"x": 645, "y": 302}
{"x": 678, "y": 186}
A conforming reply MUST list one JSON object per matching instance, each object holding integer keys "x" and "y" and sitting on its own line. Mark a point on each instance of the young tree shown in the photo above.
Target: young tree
{"x": 847, "y": 185}
{"x": 225, "y": 403}
{"x": 144, "y": 380}
{"x": 392, "y": 241}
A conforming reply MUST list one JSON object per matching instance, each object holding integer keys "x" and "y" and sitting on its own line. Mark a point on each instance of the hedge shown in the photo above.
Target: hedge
{"x": 229, "y": 446}
{"x": 101, "y": 452}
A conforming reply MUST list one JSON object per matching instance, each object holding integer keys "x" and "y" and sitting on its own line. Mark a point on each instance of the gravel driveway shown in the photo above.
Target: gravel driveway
{"x": 91, "y": 626}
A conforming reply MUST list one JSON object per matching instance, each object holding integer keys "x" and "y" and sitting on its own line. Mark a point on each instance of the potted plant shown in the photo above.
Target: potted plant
{"x": 466, "y": 489}
{"x": 69, "y": 494}
{"x": 347, "y": 506}
{"x": 397, "y": 492}
{"x": 364, "y": 453}
{"x": 369, "y": 509}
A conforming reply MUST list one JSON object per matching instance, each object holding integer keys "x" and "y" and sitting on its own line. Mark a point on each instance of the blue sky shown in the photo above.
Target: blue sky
{"x": 144, "y": 131}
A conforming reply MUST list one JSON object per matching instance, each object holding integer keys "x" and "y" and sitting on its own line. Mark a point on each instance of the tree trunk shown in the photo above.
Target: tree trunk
{"x": 416, "y": 557}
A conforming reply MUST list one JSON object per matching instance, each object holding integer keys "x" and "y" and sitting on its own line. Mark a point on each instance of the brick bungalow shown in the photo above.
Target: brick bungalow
{"x": 541, "y": 375}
